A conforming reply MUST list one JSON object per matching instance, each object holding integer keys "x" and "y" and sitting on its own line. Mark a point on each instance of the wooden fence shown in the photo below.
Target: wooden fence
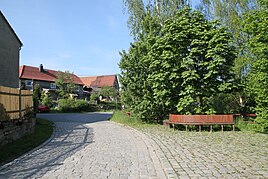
{"x": 16, "y": 101}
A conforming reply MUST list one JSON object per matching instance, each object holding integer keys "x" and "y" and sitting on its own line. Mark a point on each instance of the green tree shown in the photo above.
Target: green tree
{"x": 65, "y": 84}
{"x": 46, "y": 99}
{"x": 195, "y": 56}
{"x": 134, "y": 64}
{"x": 109, "y": 92}
{"x": 230, "y": 13}
{"x": 161, "y": 9}
{"x": 188, "y": 60}
{"x": 136, "y": 92}
{"x": 256, "y": 27}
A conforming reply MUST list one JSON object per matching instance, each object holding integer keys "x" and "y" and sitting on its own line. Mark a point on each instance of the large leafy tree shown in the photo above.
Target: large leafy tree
{"x": 194, "y": 57}
{"x": 230, "y": 13}
{"x": 160, "y": 9}
{"x": 256, "y": 27}
{"x": 136, "y": 93}
{"x": 134, "y": 64}
{"x": 188, "y": 60}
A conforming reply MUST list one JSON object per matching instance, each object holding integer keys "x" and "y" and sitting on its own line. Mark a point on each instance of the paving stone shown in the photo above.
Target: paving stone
{"x": 88, "y": 146}
{"x": 218, "y": 155}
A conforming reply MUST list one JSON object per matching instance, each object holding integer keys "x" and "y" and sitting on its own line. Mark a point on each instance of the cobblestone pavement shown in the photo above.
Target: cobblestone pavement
{"x": 89, "y": 146}
{"x": 211, "y": 155}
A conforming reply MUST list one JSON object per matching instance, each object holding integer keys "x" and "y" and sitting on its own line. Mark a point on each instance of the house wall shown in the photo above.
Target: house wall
{"x": 46, "y": 85}
{"x": 9, "y": 56}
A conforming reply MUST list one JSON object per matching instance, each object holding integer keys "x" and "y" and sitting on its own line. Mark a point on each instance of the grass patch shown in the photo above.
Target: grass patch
{"x": 43, "y": 131}
{"x": 122, "y": 118}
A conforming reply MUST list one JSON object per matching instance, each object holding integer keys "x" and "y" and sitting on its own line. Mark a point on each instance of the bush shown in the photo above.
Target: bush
{"x": 250, "y": 124}
{"x": 70, "y": 105}
{"x": 110, "y": 105}
{"x": 46, "y": 100}
{"x": 94, "y": 97}
{"x": 81, "y": 105}
{"x": 262, "y": 125}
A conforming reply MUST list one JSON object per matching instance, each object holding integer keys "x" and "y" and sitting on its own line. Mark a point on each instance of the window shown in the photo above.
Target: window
{"x": 52, "y": 85}
{"x": 28, "y": 83}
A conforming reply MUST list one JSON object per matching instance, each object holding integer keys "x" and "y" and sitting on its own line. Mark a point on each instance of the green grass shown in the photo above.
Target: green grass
{"x": 122, "y": 118}
{"x": 13, "y": 150}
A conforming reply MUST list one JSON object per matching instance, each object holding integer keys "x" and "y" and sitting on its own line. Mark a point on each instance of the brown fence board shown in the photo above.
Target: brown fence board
{"x": 15, "y": 101}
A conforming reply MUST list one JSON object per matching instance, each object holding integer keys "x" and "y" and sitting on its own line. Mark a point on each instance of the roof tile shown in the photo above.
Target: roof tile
{"x": 99, "y": 81}
{"x": 33, "y": 73}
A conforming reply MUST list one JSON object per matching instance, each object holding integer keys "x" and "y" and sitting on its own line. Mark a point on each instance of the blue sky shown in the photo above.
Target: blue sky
{"x": 81, "y": 36}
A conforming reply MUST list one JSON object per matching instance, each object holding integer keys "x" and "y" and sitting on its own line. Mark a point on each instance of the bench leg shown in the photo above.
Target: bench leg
{"x": 173, "y": 125}
{"x": 186, "y": 127}
{"x": 222, "y": 128}
{"x": 200, "y": 128}
{"x": 211, "y": 128}
{"x": 233, "y": 127}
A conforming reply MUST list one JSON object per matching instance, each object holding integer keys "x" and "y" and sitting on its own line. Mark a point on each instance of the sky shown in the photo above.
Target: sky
{"x": 80, "y": 36}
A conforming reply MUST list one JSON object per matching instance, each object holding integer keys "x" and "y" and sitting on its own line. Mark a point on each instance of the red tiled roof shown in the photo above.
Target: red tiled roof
{"x": 33, "y": 73}
{"x": 99, "y": 81}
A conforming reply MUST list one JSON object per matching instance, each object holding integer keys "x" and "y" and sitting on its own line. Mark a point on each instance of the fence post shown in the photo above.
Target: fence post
{"x": 20, "y": 104}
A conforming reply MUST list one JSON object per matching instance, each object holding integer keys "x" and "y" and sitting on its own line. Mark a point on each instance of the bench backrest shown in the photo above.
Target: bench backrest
{"x": 201, "y": 118}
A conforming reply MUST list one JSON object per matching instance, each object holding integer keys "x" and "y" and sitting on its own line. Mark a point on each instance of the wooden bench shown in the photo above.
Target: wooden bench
{"x": 200, "y": 120}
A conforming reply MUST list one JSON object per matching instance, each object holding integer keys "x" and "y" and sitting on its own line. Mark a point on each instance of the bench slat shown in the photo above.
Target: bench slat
{"x": 201, "y": 120}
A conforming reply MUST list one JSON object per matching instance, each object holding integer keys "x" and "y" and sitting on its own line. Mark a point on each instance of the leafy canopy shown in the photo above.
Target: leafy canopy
{"x": 174, "y": 70}
{"x": 65, "y": 84}
{"x": 255, "y": 26}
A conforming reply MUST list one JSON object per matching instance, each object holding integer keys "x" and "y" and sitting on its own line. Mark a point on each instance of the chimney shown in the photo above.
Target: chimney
{"x": 41, "y": 68}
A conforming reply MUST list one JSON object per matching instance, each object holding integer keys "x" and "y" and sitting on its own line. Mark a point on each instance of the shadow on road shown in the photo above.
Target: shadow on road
{"x": 70, "y": 135}
{"x": 76, "y": 117}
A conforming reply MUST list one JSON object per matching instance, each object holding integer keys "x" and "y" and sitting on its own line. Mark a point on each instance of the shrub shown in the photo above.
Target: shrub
{"x": 110, "y": 105}
{"x": 94, "y": 97}
{"x": 81, "y": 105}
{"x": 46, "y": 100}
{"x": 250, "y": 124}
{"x": 65, "y": 105}
{"x": 70, "y": 105}
{"x": 262, "y": 125}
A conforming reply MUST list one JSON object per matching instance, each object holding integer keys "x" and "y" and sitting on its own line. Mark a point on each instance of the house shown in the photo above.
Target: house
{"x": 10, "y": 46}
{"x": 95, "y": 83}
{"x": 46, "y": 78}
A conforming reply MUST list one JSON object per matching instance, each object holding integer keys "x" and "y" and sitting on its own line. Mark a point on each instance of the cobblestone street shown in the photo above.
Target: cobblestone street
{"x": 89, "y": 146}
{"x": 212, "y": 155}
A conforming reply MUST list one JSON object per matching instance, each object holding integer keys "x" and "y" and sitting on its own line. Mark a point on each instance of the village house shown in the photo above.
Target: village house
{"x": 46, "y": 78}
{"x": 95, "y": 83}
{"x": 10, "y": 46}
